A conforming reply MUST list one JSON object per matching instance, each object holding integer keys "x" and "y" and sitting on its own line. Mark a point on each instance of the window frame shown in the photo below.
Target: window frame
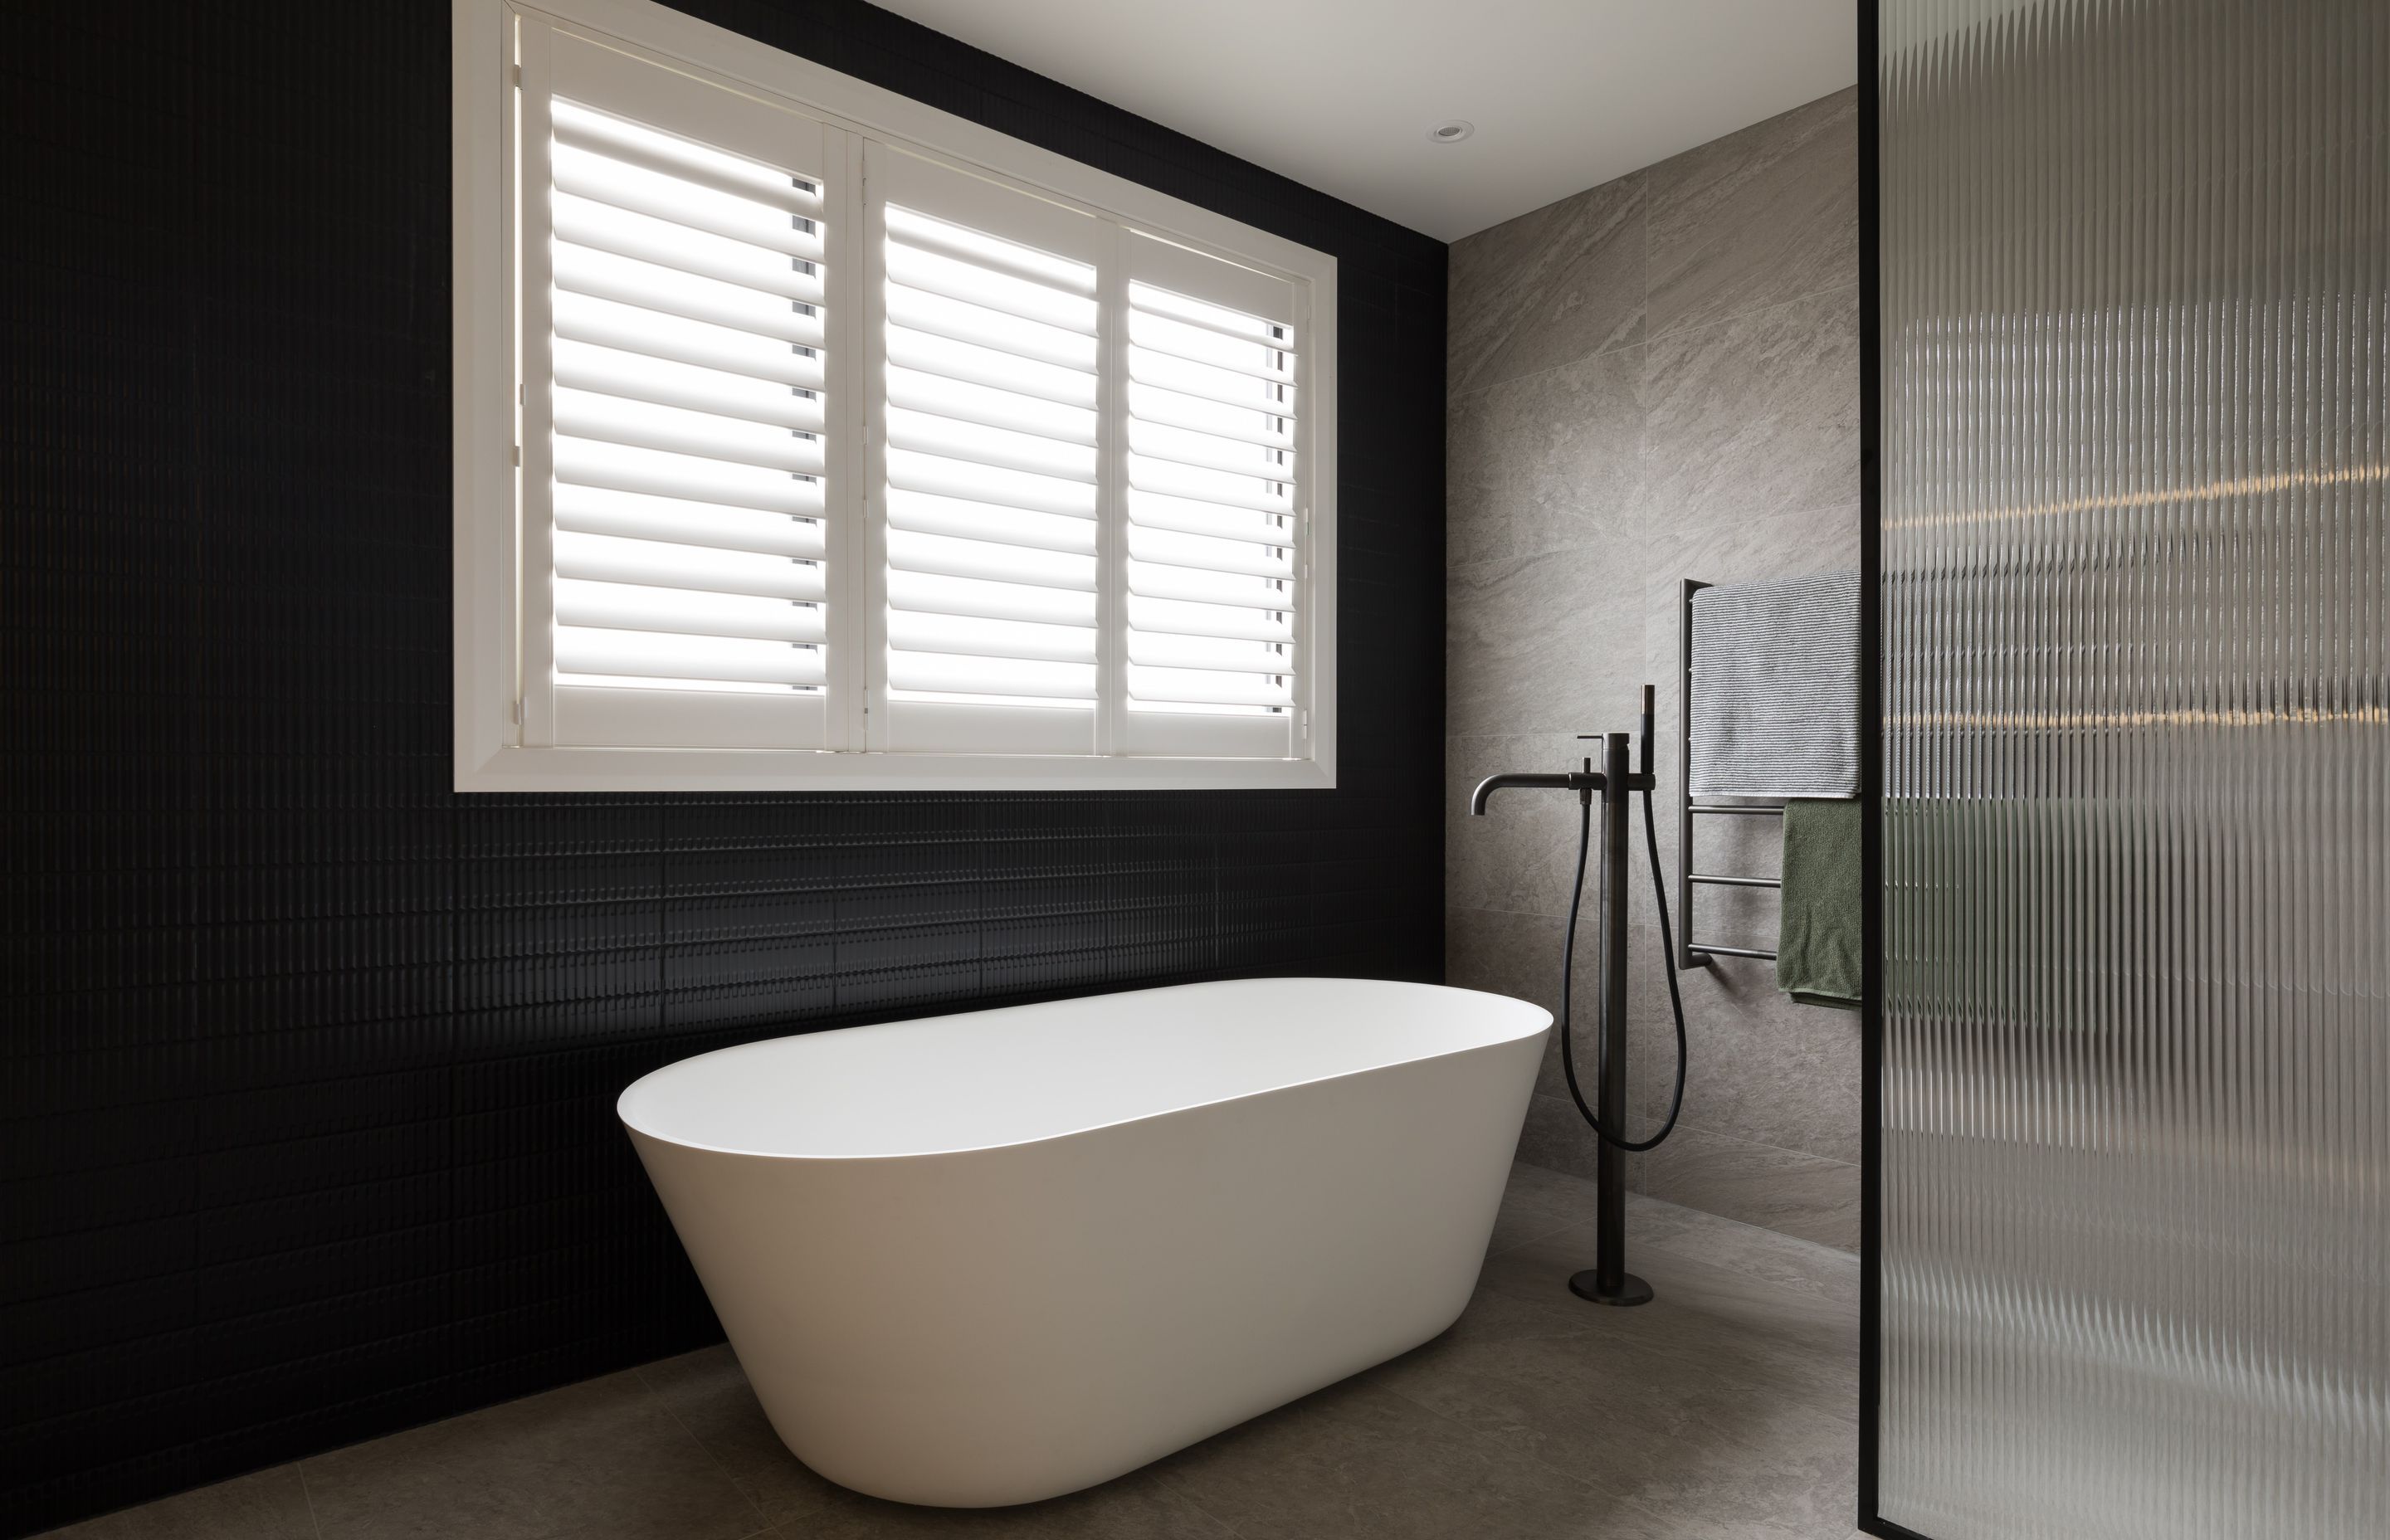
{"x": 490, "y": 533}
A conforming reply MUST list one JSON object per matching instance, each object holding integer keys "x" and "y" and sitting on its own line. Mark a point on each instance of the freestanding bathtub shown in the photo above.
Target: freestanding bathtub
{"x": 988, "y": 1258}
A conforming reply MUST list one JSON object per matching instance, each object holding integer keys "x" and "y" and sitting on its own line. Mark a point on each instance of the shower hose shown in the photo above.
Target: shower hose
{"x": 1568, "y": 967}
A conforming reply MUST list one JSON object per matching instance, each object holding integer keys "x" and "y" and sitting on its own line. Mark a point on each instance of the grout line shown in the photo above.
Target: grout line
{"x": 1847, "y": 505}
{"x": 1761, "y": 1281}
{"x": 1702, "y": 1128}
{"x": 640, "y": 1370}
{"x": 1534, "y": 1455}
{"x": 1757, "y": 1278}
{"x": 1728, "y": 1219}
{"x": 314, "y": 1522}
{"x": 1642, "y": 217}
{"x": 1761, "y": 1144}
{"x": 1834, "y": 1255}
{"x": 1707, "y": 1216}
{"x": 719, "y": 1464}
{"x": 1489, "y": 909}
{"x": 1539, "y": 1235}
{"x": 1479, "y": 1434}
{"x": 1175, "y": 1483}
{"x": 1452, "y": 736}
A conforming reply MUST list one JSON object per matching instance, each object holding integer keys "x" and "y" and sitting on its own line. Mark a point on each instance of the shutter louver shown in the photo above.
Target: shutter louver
{"x": 1213, "y": 519}
{"x": 991, "y": 480}
{"x": 688, "y": 408}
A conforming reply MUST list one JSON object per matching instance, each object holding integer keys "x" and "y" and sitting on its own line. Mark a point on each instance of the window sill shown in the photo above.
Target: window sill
{"x": 548, "y": 769}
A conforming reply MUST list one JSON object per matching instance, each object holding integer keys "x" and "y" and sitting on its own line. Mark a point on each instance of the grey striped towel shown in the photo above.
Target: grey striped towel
{"x": 1775, "y": 689}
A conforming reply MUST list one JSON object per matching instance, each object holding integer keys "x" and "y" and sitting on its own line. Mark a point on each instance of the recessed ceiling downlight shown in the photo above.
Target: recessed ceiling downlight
{"x": 1452, "y": 131}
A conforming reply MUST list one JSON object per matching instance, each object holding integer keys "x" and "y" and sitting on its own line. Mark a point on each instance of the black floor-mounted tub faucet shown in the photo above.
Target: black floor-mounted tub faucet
{"x": 1608, "y": 1281}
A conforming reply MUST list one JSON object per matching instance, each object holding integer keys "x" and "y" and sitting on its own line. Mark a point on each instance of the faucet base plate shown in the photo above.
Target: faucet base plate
{"x": 1631, "y": 1290}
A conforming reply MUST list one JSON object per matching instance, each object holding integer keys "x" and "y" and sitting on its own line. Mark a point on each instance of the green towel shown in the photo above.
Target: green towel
{"x": 1817, "y": 952}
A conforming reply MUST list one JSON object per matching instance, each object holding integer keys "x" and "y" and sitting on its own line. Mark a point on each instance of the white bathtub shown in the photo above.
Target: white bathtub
{"x": 989, "y": 1258}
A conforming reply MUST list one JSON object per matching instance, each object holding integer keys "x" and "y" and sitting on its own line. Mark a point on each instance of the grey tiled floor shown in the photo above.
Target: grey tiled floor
{"x": 1724, "y": 1410}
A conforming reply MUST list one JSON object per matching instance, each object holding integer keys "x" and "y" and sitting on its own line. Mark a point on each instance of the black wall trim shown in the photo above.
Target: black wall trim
{"x": 1871, "y": 766}
{"x": 306, "y": 1124}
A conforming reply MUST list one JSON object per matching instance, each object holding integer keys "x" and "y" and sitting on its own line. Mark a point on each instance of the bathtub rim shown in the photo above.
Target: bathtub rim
{"x": 1529, "y": 1008}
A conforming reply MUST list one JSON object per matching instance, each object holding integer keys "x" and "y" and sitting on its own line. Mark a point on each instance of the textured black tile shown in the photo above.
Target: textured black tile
{"x": 738, "y": 914}
{"x": 764, "y": 1008}
{"x": 946, "y": 984}
{"x": 862, "y": 953}
{"x": 307, "y": 1083}
{"x": 751, "y": 962}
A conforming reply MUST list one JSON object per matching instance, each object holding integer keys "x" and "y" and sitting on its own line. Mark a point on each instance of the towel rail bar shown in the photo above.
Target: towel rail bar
{"x": 1691, "y": 953}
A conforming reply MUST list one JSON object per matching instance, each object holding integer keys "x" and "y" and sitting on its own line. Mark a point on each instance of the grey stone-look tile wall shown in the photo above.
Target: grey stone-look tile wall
{"x": 1655, "y": 379}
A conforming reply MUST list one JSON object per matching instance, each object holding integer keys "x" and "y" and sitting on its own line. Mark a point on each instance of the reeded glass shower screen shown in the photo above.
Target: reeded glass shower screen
{"x": 2134, "y": 1083}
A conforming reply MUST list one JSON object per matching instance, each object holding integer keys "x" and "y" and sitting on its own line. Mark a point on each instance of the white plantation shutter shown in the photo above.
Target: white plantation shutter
{"x": 1214, "y": 519}
{"x": 795, "y": 452}
{"x": 676, "y": 357}
{"x": 986, "y": 463}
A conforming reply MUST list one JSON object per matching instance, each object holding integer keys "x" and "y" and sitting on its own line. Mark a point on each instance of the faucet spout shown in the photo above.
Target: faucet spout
{"x": 1579, "y": 781}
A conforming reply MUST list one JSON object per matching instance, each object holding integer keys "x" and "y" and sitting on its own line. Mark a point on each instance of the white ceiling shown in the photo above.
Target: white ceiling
{"x": 1340, "y": 94}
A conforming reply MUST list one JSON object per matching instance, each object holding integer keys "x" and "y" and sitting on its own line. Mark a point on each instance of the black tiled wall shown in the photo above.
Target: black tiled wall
{"x": 310, "y": 1062}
